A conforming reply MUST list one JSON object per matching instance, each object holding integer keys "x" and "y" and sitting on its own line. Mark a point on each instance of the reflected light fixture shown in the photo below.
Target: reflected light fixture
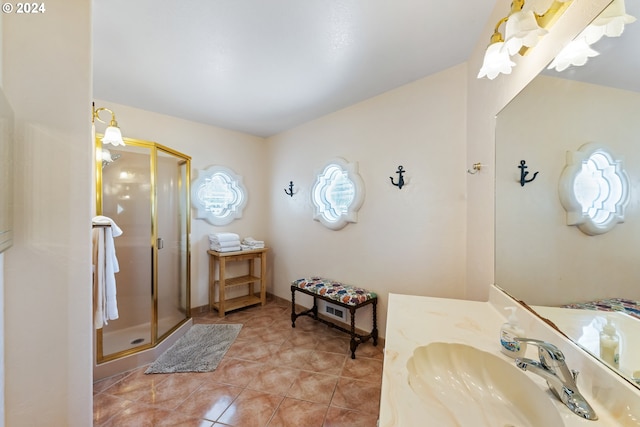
{"x": 112, "y": 134}
{"x": 523, "y": 30}
{"x": 609, "y": 23}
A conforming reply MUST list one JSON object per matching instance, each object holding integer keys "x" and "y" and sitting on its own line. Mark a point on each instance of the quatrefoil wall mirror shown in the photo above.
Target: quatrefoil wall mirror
{"x": 218, "y": 195}
{"x": 594, "y": 189}
{"x": 337, "y": 194}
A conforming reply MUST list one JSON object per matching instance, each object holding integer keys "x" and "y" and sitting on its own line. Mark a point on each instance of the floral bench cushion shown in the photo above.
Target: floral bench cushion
{"x": 630, "y": 307}
{"x": 337, "y": 291}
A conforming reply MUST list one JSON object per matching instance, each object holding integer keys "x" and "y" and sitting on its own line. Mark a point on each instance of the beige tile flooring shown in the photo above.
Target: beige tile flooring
{"x": 273, "y": 375}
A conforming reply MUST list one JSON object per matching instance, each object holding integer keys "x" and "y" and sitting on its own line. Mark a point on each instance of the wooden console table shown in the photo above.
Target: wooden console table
{"x": 223, "y": 283}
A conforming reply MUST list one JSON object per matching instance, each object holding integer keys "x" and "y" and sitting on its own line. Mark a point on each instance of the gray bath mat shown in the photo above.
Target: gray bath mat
{"x": 199, "y": 350}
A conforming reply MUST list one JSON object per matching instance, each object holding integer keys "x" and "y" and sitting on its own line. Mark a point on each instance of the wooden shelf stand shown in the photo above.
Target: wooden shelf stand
{"x": 254, "y": 296}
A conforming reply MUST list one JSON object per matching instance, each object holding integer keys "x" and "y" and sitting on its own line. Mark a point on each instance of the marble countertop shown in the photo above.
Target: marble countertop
{"x": 414, "y": 321}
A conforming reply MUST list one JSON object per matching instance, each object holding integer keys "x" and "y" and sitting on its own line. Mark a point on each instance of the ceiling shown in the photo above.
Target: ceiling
{"x": 262, "y": 67}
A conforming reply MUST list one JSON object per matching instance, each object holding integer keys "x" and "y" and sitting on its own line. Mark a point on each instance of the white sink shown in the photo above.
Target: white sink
{"x": 466, "y": 386}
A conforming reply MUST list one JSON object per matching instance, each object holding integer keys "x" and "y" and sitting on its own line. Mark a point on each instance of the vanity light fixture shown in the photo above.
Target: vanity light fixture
{"x": 523, "y": 30}
{"x": 112, "y": 134}
{"x": 609, "y": 23}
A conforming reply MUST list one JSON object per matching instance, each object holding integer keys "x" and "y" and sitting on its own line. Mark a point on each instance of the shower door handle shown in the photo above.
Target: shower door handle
{"x": 160, "y": 243}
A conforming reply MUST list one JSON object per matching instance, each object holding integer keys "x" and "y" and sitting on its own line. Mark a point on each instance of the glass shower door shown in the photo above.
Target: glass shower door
{"x": 126, "y": 198}
{"x": 172, "y": 241}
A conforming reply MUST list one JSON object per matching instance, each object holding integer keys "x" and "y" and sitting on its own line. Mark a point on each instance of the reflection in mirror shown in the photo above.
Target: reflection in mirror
{"x": 594, "y": 189}
{"x": 539, "y": 258}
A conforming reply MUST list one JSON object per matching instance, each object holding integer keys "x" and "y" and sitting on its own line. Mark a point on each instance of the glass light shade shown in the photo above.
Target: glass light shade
{"x": 496, "y": 61}
{"x": 105, "y": 156}
{"x": 609, "y": 23}
{"x": 113, "y": 136}
{"x": 577, "y": 52}
{"x": 522, "y": 29}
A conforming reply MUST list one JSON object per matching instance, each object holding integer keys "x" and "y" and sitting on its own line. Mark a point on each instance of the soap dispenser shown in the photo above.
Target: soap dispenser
{"x": 610, "y": 344}
{"x": 508, "y": 333}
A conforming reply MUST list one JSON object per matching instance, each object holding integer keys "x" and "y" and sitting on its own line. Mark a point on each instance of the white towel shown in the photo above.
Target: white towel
{"x": 228, "y": 244}
{"x": 104, "y": 269}
{"x": 223, "y": 237}
{"x": 250, "y": 248}
{"x": 227, "y": 249}
{"x": 251, "y": 243}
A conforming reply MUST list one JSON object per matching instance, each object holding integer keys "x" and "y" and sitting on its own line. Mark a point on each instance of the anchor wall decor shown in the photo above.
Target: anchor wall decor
{"x": 400, "y": 172}
{"x": 524, "y": 173}
{"x": 290, "y": 191}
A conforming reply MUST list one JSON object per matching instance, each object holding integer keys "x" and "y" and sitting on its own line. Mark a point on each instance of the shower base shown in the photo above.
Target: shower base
{"x": 135, "y": 336}
{"x": 121, "y": 339}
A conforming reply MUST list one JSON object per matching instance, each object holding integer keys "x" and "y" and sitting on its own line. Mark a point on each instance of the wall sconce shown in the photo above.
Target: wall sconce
{"x": 112, "y": 135}
{"x": 523, "y": 30}
{"x": 609, "y": 23}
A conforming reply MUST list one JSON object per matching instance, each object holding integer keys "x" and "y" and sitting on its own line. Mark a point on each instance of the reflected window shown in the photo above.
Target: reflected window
{"x": 337, "y": 194}
{"x": 594, "y": 189}
{"x": 218, "y": 195}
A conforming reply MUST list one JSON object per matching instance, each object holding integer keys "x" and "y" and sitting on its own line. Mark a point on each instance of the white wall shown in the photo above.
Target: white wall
{"x": 405, "y": 241}
{"x": 47, "y": 299}
{"x": 207, "y": 145}
{"x": 540, "y": 259}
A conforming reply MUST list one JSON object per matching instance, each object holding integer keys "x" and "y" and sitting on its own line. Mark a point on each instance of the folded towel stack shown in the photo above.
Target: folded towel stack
{"x": 224, "y": 242}
{"x": 251, "y": 243}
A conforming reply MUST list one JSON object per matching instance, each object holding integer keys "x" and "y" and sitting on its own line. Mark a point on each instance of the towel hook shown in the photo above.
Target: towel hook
{"x": 400, "y": 172}
{"x": 476, "y": 168}
{"x": 524, "y": 173}
{"x": 290, "y": 192}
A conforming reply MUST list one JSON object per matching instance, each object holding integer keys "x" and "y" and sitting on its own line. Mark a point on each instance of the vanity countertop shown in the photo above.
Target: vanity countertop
{"x": 415, "y": 321}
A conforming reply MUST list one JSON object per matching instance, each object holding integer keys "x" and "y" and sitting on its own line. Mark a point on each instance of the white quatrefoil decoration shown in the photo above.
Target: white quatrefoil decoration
{"x": 337, "y": 194}
{"x": 218, "y": 195}
{"x": 594, "y": 189}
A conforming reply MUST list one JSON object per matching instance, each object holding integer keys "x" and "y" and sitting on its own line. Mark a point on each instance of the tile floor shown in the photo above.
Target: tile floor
{"x": 273, "y": 375}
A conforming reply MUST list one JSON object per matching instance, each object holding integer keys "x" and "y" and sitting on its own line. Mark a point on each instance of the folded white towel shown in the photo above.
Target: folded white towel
{"x": 252, "y": 241}
{"x": 223, "y": 237}
{"x": 227, "y": 249}
{"x": 248, "y": 247}
{"x": 228, "y": 244}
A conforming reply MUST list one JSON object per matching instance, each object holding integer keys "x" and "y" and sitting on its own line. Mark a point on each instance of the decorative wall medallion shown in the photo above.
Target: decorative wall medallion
{"x": 337, "y": 194}
{"x": 218, "y": 195}
{"x": 594, "y": 189}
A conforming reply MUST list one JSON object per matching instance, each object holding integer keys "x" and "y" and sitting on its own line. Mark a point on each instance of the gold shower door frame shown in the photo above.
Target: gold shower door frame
{"x": 156, "y": 152}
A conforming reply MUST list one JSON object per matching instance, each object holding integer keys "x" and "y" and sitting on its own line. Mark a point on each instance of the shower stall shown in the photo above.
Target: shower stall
{"x": 144, "y": 188}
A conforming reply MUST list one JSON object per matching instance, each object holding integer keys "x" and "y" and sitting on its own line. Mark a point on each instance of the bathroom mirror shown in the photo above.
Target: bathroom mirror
{"x": 540, "y": 259}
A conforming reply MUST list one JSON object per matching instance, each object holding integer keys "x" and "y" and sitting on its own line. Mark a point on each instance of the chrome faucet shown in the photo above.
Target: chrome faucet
{"x": 562, "y": 381}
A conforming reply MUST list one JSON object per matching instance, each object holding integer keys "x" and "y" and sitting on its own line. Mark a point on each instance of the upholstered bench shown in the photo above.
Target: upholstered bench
{"x": 347, "y": 296}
